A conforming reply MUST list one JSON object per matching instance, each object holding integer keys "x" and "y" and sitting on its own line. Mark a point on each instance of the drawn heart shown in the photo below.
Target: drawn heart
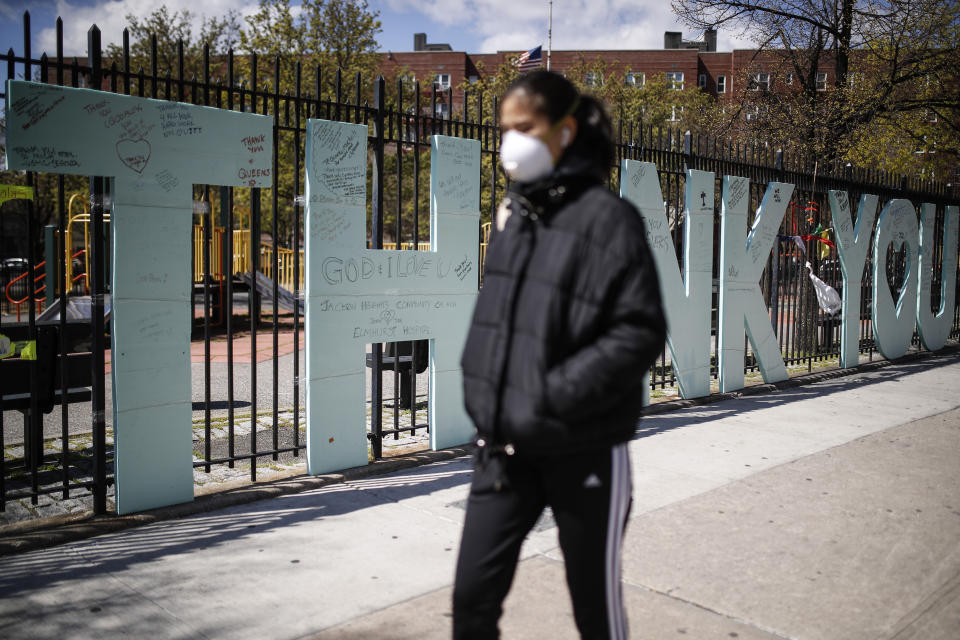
{"x": 134, "y": 153}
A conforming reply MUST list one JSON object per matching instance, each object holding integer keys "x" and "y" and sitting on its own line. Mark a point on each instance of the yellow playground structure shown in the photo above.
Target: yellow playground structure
{"x": 78, "y": 239}
{"x": 76, "y": 248}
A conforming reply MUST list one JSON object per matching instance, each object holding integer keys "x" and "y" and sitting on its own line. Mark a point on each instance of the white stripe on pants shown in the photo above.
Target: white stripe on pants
{"x": 620, "y": 489}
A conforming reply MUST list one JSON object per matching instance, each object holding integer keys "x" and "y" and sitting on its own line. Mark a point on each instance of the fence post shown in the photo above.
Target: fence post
{"x": 50, "y": 258}
{"x": 27, "y": 71}
{"x": 775, "y": 261}
{"x": 376, "y": 390}
{"x": 97, "y": 264}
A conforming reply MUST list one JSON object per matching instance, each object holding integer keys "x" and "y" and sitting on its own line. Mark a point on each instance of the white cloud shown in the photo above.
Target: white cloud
{"x": 9, "y": 13}
{"x": 111, "y": 17}
{"x": 577, "y": 24}
{"x": 496, "y": 24}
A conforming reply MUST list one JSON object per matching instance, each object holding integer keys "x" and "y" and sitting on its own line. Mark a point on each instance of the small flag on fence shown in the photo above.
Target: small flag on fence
{"x": 530, "y": 60}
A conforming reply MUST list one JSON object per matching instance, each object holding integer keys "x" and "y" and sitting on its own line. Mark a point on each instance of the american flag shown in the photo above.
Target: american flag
{"x": 530, "y": 60}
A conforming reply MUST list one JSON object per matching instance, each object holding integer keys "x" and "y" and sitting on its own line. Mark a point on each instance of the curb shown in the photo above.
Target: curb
{"x": 797, "y": 381}
{"x": 42, "y": 533}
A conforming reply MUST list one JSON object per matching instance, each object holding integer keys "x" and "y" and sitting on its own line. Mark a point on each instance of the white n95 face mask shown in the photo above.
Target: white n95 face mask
{"x": 525, "y": 158}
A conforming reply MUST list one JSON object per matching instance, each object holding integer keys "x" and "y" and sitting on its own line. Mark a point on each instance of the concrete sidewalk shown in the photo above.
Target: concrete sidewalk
{"x": 825, "y": 511}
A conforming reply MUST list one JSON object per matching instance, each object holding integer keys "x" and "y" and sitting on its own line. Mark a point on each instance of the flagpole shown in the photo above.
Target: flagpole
{"x": 549, "y": 35}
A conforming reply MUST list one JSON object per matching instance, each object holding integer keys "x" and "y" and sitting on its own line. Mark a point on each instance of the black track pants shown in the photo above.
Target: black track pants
{"x": 589, "y": 494}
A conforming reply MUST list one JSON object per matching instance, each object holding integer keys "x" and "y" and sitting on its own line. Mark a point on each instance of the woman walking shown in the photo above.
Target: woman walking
{"x": 568, "y": 321}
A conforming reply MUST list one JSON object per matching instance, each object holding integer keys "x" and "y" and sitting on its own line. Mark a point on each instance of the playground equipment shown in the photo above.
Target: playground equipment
{"x": 240, "y": 260}
{"x": 78, "y": 213}
{"x": 406, "y": 246}
{"x": 78, "y": 239}
{"x": 264, "y": 285}
{"x": 20, "y": 284}
{"x": 40, "y": 286}
{"x": 77, "y": 260}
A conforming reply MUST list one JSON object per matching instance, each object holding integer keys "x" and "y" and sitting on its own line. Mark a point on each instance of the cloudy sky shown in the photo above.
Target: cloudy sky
{"x": 476, "y": 26}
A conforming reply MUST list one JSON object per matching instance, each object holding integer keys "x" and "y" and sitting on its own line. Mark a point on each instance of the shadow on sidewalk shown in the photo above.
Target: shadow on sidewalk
{"x": 114, "y": 553}
{"x": 668, "y": 421}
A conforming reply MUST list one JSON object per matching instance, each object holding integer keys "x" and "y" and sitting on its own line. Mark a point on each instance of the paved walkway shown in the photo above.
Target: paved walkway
{"x": 821, "y": 512}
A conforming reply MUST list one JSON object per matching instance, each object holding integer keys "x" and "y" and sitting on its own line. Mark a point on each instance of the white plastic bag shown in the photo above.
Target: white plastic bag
{"x": 827, "y": 297}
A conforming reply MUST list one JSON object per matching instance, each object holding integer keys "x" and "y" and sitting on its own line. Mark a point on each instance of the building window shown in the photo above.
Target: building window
{"x": 751, "y": 113}
{"x": 675, "y": 113}
{"x": 789, "y": 79}
{"x": 721, "y": 84}
{"x": 594, "y": 79}
{"x": 634, "y": 79}
{"x": 702, "y": 81}
{"x": 853, "y": 79}
{"x": 821, "y": 80}
{"x": 473, "y": 79}
{"x": 442, "y": 83}
{"x": 759, "y": 82}
{"x": 675, "y": 80}
{"x": 442, "y": 110}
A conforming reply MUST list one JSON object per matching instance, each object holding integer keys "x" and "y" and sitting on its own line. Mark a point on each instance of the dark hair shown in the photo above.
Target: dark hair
{"x": 554, "y": 96}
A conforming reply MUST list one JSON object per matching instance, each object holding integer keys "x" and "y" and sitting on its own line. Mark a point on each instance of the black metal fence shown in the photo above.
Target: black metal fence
{"x": 248, "y": 243}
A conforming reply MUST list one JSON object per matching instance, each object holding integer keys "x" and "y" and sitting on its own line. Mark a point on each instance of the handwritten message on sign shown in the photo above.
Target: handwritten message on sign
{"x": 149, "y": 144}
{"x": 339, "y": 168}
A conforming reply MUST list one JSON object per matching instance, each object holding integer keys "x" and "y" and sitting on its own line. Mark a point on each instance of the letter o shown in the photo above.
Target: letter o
{"x": 894, "y": 320}
{"x": 351, "y": 271}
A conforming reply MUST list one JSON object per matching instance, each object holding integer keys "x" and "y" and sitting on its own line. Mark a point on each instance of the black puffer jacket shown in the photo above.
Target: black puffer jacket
{"x": 568, "y": 320}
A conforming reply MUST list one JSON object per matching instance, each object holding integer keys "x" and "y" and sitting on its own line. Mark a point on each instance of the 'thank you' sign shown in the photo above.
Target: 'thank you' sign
{"x": 356, "y": 296}
{"x": 154, "y": 151}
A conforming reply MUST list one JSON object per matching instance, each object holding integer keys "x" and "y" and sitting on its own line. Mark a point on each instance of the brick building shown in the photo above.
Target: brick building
{"x": 682, "y": 63}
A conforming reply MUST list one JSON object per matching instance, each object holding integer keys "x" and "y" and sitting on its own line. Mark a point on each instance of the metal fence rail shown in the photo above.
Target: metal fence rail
{"x": 255, "y": 232}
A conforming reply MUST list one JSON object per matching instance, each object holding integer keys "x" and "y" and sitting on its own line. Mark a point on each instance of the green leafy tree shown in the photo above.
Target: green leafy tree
{"x": 331, "y": 34}
{"x": 894, "y": 67}
{"x": 323, "y": 35}
{"x": 866, "y": 77}
{"x": 171, "y": 29}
